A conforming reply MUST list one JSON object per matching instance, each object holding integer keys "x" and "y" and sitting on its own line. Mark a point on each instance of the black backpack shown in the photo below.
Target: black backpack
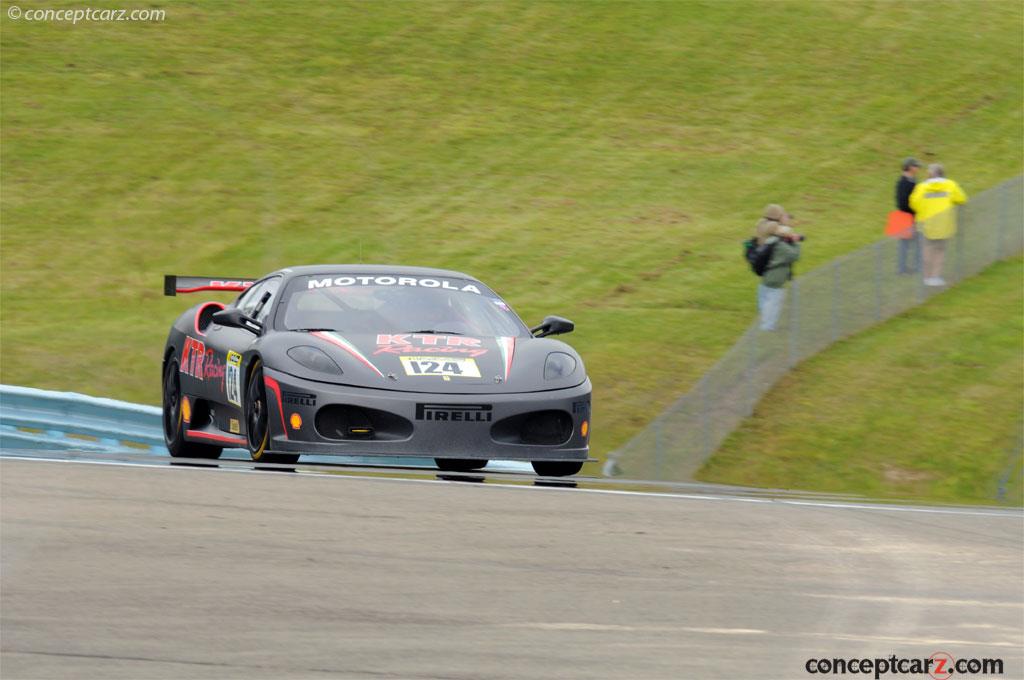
{"x": 758, "y": 256}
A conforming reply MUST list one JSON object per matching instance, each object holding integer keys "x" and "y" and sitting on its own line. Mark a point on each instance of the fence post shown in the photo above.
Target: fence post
{"x": 878, "y": 280}
{"x": 752, "y": 372}
{"x": 960, "y": 243}
{"x": 1004, "y": 198}
{"x": 835, "y": 300}
{"x": 657, "y": 448}
{"x": 705, "y": 415}
{"x": 794, "y": 323}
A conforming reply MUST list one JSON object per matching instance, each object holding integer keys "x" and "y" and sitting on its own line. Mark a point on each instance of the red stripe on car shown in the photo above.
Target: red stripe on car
{"x": 348, "y": 347}
{"x": 238, "y": 287}
{"x": 223, "y": 438}
{"x": 273, "y": 385}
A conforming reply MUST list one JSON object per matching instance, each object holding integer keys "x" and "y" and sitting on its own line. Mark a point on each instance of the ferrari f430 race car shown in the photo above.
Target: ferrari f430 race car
{"x": 367, "y": 360}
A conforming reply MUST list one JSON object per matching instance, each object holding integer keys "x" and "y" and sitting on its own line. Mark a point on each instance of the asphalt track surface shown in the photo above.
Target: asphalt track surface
{"x": 111, "y": 569}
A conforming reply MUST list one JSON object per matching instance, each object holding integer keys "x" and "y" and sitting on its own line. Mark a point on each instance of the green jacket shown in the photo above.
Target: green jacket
{"x": 780, "y": 267}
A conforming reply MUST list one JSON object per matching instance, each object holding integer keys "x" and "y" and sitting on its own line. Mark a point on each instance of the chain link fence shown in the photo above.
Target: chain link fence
{"x": 844, "y": 297}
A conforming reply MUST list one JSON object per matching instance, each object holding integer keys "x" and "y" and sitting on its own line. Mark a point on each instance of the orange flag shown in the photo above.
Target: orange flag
{"x": 900, "y": 224}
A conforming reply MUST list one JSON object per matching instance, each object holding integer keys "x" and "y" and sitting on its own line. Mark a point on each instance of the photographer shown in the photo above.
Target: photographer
{"x": 785, "y": 250}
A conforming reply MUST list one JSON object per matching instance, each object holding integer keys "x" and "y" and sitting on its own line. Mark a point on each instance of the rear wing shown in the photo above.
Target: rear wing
{"x": 195, "y": 284}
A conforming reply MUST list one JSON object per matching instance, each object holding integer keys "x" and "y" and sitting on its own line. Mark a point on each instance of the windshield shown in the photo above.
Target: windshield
{"x": 396, "y": 304}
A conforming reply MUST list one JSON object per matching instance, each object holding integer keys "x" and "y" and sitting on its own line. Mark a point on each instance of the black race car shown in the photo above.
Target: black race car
{"x": 371, "y": 360}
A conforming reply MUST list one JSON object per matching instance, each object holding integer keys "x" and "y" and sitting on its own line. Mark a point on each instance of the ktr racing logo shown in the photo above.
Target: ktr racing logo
{"x": 454, "y": 413}
{"x": 938, "y": 666}
{"x": 413, "y": 343}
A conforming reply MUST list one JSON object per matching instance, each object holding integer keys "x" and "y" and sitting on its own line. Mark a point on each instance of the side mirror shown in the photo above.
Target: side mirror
{"x": 551, "y": 325}
{"x": 233, "y": 317}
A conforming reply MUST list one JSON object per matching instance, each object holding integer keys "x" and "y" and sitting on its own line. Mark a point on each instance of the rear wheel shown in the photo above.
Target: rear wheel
{"x": 459, "y": 464}
{"x": 174, "y": 421}
{"x": 557, "y": 468}
{"x": 257, "y": 425}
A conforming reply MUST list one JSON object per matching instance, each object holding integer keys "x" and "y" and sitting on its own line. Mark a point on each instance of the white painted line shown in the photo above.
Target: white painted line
{"x": 847, "y": 637}
{"x": 613, "y": 628}
{"x": 923, "y": 601}
{"x": 924, "y": 642}
{"x": 161, "y": 464}
{"x": 727, "y": 631}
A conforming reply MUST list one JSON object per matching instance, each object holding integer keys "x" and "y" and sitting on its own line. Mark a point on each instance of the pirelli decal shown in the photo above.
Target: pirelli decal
{"x": 454, "y": 413}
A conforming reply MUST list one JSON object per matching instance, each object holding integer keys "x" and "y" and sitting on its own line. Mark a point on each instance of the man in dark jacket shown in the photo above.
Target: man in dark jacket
{"x": 911, "y": 243}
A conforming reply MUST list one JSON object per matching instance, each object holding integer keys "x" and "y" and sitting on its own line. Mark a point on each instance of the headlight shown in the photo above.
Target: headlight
{"x": 559, "y": 365}
{"x": 314, "y": 359}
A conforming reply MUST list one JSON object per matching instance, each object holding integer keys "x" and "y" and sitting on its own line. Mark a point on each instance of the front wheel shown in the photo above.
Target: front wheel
{"x": 557, "y": 468}
{"x": 257, "y": 425}
{"x": 174, "y": 420}
{"x": 459, "y": 464}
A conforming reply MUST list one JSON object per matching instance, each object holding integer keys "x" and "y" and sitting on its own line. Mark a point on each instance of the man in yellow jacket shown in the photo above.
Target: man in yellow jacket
{"x": 933, "y": 201}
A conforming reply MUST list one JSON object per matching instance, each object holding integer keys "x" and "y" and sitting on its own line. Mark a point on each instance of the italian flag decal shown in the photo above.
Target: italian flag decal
{"x": 341, "y": 342}
{"x": 507, "y": 347}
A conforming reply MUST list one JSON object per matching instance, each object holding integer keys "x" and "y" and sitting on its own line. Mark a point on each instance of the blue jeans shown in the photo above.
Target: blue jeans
{"x": 908, "y": 246}
{"x": 769, "y": 304}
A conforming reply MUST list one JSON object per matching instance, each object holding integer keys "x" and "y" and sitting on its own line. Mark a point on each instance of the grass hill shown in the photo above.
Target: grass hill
{"x": 926, "y": 405}
{"x": 601, "y": 161}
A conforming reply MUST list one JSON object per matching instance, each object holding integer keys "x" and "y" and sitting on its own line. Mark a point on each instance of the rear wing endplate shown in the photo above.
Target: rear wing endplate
{"x": 173, "y": 285}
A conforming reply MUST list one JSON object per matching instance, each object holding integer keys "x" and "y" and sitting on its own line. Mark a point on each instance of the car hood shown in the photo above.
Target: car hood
{"x": 434, "y": 363}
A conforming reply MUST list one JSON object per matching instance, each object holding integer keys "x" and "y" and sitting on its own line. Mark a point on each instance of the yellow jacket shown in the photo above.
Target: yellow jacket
{"x": 932, "y": 201}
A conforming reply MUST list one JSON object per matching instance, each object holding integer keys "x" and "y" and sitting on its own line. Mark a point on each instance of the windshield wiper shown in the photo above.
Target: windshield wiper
{"x": 433, "y": 332}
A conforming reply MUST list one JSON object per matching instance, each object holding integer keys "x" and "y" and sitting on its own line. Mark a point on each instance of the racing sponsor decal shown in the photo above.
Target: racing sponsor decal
{"x": 201, "y": 362}
{"x": 414, "y": 343}
{"x": 341, "y": 342}
{"x": 299, "y": 398}
{"x": 213, "y": 367}
{"x": 233, "y": 378}
{"x": 234, "y": 426}
{"x": 343, "y": 281}
{"x": 455, "y": 413}
{"x": 194, "y": 284}
{"x": 507, "y": 347}
{"x": 193, "y": 355}
{"x": 446, "y": 367}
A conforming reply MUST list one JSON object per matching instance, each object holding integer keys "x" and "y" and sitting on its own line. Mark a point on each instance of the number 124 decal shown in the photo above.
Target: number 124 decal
{"x": 446, "y": 367}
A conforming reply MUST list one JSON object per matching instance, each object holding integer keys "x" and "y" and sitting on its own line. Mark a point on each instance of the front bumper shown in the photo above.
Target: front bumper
{"x": 466, "y": 438}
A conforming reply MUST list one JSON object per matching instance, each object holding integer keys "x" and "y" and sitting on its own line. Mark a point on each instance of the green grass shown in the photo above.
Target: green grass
{"x": 927, "y": 405}
{"x": 597, "y": 160}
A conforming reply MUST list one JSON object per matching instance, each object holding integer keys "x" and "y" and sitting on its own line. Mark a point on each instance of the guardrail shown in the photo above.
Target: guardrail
{"x": 41, "y": 419}
{"x": 37, "y": 419}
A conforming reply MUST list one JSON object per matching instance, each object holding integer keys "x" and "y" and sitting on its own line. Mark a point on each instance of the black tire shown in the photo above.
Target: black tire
{"x": 459, "y": 464}
{"x": 174, "y": 434}
{"x": 257, "y": 426}
{"x": 557, "y": 468}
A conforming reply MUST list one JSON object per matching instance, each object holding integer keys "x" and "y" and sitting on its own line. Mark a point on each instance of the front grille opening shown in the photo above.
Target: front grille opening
{"x": 202, "y": 414}
{"x": 346, "y": 422}
{"x": 540, "y": 428}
